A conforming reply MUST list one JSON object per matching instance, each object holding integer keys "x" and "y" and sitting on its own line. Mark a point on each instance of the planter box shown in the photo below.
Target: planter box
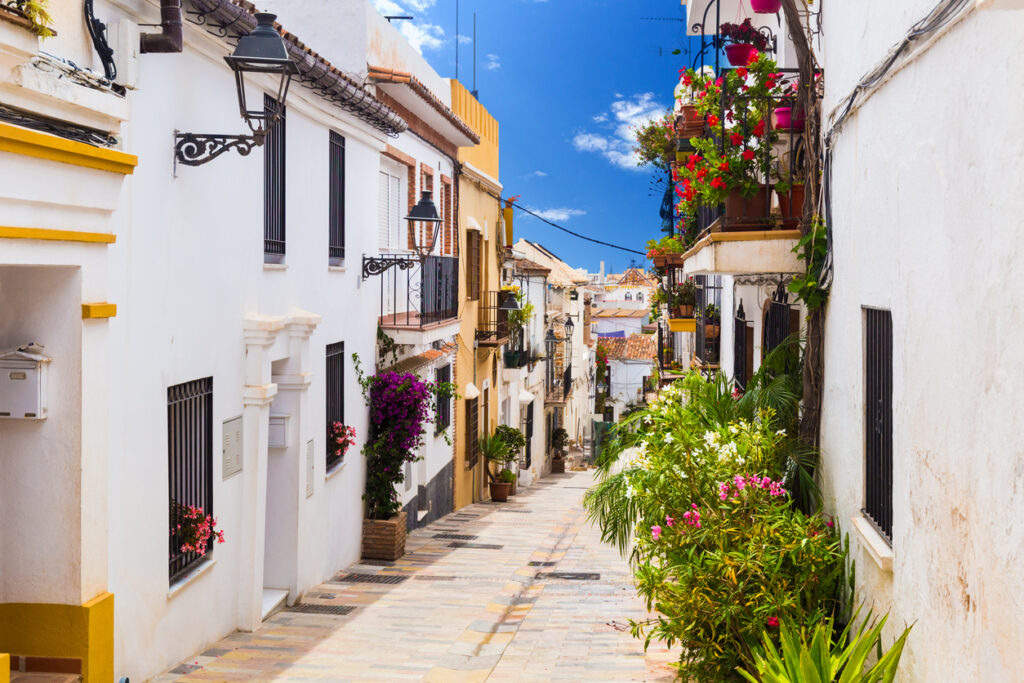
{"x": 711, "y": 331}
{"x": 683, "y": 311}
{"x": 682, "y": 324}
{"x": 384, "y": 539}
{"x": 747, "y": 212}
{"x": 557, "y": 465}
{"x": 499, "y": 491}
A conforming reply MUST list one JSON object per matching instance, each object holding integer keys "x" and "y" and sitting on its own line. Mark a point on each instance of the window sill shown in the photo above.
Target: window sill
{"x": 878, "y": 548}
{"x": 337, "y": 269}
{"x": 197, "y": 571}
{"x": 275, "y": 266}
{"x": 334, "y": 470}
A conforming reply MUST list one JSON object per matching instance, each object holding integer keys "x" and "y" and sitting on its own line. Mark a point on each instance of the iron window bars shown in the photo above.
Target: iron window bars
{"x": 189, "y": 463}
{"x": 335, "y": 395}
{"x": 443, "y": 418}
{"x": 274, "y": 186}
{"x": 336, "y": 246}
{"x": 472, "y": 432}
{"x": 878, "y": 419}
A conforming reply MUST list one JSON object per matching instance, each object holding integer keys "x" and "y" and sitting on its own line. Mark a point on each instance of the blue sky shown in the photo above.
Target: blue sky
{"x": 565, "y": 79}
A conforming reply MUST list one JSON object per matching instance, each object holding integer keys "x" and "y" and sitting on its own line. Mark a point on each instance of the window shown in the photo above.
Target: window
{"x": 472, "y": 432}
{"x": 878, "y": 419}
{"x": 629, "y": 296}
{"x": 335, "y": 395}
{"x": 529, "y": 436}
{"x": 273, "y": 187}
{"x": 473, "y": 265}
{"x": 336, "y": 246}
{"x": 189, "y": 463}
{"x": 390, "y": 209}
{"x": 444, "y": 402}
{"x": 639, "y": 296}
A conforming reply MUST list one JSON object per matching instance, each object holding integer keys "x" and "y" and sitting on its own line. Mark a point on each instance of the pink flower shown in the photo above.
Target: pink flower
{"x": 669, "y": 521}
{"x": 773, "y": 622}
{"x": 655, "y": 532}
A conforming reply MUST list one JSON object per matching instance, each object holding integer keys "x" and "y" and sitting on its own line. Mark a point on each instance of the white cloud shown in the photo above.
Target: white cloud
{"x": 557, "y": 215}
{"x": 616, "y": 143}
{"x": 419, "y": 35}
{"x": 464, "y": 39}
{"x": 539, "y": 174}
{"x": 492, "y": 62}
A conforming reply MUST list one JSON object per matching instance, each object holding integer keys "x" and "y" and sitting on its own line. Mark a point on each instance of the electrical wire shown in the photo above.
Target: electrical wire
{"x": 566, "y": 230}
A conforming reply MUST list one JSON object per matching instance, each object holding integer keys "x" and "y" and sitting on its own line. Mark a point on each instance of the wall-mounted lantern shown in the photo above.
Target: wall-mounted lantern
{"x": 262, "y": 51}
{"x": 423, "y": 216}
{"x": 569, "y": 325}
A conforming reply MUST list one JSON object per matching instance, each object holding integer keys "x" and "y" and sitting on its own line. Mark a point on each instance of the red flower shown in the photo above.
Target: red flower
{"x": 741, "y": 72}
{"x": 748, "y": 155}
{"x": 724, "y": 166}
{"x": 692, "y": 163}
{"x": 736, "y": 139}
{"x": 712, "y": 120}
{"x": 769, "y": 84}
{"x": 718, "y": 81}
{"x": 718, "y": 183}
{"x": 773, "y": 622}
{"x": 759, "y": 128}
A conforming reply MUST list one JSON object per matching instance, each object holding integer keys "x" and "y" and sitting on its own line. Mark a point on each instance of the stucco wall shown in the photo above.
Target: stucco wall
{"x": 925, "y": 224}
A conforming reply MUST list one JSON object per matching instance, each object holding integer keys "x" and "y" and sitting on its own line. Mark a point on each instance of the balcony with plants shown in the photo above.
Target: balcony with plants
{"x": 739, "y": 165}
{"x": 518, "y": 353}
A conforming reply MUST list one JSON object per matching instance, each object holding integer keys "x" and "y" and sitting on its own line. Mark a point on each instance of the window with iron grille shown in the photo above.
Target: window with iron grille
{"x": 878, "y": 419}
{"x": 529, "y": 435}
{"x": 273, "y": 186}
{"x": 335, "y": 395}
{"x": 189, "y": 464}
{"x": 443, "y": 419}
{"x": 336, "y": 247}
{"x": 472, "y": 265}
{"x": 472, "y": 432}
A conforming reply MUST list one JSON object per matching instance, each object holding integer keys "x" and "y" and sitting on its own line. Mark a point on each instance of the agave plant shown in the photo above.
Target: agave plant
{"x": 822, "y": 658}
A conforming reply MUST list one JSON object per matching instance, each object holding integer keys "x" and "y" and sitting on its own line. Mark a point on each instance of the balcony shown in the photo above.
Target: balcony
{"x": 492, "y": 322}
{"x": 419, "y": 300}
{"x": 559, "y": 386}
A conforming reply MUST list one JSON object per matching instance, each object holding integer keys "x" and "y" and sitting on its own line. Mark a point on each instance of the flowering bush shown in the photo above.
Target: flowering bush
{"x": 192, "y": 529}
{"x": 401, "y": 404}
{"x": 744, "y": 34}
{"x": 339, "y": 439}
{"x": 720, "y": 549}
{"x": 666, "y": 245}
{"x": 656, "y": 142}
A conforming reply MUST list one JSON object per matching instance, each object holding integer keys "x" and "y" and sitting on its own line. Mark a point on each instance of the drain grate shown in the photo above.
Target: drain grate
{"x": 542, "y": 564}
{"x": 370, "y": 578}
{"x": 322, "y": 609}
{"x": 508, "y": 509}
{"x": 456, "y": 537}
{"x": 477, "y": 546}
{"x": 377, "y": 563}
{"x": 435, "y": 578}
{"x": 570, "y": 576}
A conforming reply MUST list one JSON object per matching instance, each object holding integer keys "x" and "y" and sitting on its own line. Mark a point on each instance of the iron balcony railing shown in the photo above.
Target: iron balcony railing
{"x": 708, "y": 338}
{"x": 418, "y": 294}
{"x": 492, "y": 322}
{"x": 559, "y": 385}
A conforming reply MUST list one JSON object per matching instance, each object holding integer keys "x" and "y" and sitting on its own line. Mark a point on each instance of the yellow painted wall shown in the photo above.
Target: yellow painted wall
{"x": 50, "y": 630}
{"x": 478, "y": 202}
{"x": 5, "y": 668}
{"x": 483, "y": 156}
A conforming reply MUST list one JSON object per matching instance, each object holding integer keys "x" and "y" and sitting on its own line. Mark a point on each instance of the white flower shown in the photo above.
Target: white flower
{"x": 711, "y": 438}
{"x": 781, "y": 432}
{"x": 630, "y": 491}
{"x": 647, "y": 419}
{"x": 733, "y": 429}
{"x": 668, "y": 438}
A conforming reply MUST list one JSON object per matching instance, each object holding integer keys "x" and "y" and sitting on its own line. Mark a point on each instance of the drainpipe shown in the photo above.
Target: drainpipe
{"x": 169, "y": 39}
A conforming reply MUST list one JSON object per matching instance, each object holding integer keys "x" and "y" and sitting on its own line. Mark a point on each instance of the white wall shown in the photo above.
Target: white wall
{"x": 926, "y": 224}
{"x": 627, "y": 325}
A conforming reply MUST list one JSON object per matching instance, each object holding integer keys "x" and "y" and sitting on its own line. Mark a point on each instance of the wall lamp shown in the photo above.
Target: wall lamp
{"x": 260, "y": 52}
{"x": 422, "y": 217}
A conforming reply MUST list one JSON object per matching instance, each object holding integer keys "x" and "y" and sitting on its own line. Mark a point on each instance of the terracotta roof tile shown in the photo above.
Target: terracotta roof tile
{"x": 620, "y": 312}
{"x": 382, "y": 74}
{"x": 634, "y": 347}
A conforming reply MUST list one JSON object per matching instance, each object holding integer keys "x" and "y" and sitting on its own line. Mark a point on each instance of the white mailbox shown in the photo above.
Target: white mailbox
{"x": 278, "y": 436}
{"x": 23, "y": 383}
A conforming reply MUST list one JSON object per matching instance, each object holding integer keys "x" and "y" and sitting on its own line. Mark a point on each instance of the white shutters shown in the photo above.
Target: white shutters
{"x": 389, "y": 206}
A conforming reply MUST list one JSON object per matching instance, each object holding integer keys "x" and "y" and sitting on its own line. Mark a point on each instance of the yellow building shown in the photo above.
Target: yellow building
{"x": 481, "y": 246}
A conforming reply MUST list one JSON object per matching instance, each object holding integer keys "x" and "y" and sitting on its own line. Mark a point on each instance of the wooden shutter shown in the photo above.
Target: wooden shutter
{"x": 473, "y": 265}
{"x": 383, "y": 204}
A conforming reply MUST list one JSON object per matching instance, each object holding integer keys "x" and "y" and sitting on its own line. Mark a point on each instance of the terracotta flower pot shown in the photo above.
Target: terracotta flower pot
{"x": 384, "y": 539}
{"x": 740, "y": 54}
{"x": 791, "y": 204}
{"x": 755, "y": 207}
{"x": 683, "y": 311}
{"x": 499, "y": 491}
{"x": 711, "y": 331}
{"x": 765, "y": 6}
{"x": 691, "y": 115}
{"x": 557, "y": 465}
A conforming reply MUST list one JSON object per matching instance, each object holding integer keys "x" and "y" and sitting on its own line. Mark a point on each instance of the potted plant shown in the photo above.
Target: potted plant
{"x": 514, "y": 441}
{"x": 712, "y": 321}
{"x": 684, "y": 298}
{"x": 745, "y": 42}
{"x": 559, "y": 441}
{"x": 401, "y": 405}
{"x": 790, "y": 193}
{"x": 495, "y": 451}
{"x": 517, "y": 321}
{"x": 656, "y": 142}
{"x": 192, "y": 529}
{"x": 765, "y": 6}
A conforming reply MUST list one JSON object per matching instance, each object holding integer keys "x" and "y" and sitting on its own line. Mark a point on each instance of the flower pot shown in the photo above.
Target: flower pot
{"x": 711, "y": 331}
{"x": 512, "y": 487}
{"x": 791, "y": 204}
{"x": 384, "y": 539}
{"x": 512, "y": 359}
{"x": 499, "y": 491}
{"x": 558, "y": 465}
{"x": 783, "y": 119}
{"x": 740, "y": 54}
{"x": 691, "y": 115}
{"x": 752, "y": 208}
{"x": 683, "y": 311}
{"x": 765, "y": 6}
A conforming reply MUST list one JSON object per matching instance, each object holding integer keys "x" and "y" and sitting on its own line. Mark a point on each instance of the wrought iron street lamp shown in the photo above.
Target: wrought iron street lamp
{"x": 569, "y": 325}
{"x": 423, "y": 218}
{"x": 262, "y": 51}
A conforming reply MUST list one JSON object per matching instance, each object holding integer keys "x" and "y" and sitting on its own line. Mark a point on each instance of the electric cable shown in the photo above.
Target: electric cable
{"x": 509, "y": 202}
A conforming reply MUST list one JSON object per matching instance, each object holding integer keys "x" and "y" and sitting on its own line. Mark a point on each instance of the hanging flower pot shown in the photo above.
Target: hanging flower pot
{"x": 784, "y": 120}
{"x": 691, "y": 115}
{"x": 740, "y": 54}
{"x": 765, "y": 6}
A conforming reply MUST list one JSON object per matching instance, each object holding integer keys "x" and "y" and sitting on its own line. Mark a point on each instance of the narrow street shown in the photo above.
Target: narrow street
{"x": 520, "y": 591}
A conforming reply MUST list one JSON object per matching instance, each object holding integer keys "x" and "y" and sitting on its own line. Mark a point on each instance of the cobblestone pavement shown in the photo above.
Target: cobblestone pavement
{"x": 473, "y": 600}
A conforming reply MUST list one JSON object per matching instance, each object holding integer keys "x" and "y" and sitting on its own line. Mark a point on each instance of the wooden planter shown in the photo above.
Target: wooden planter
{"x": 557, "y": 465}
{"x": 791, "y": 205}
{"x": 384, "y": 539}
{"x": 683, "y": 311}
{"x": 711, "y": 331}
{"x": 499, "y": 491}
{"x": 747, "y": 212}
